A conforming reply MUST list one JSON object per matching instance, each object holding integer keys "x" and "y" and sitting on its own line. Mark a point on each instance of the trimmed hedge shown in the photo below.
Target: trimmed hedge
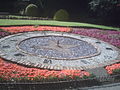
{"x": 61, "y": 15}
{"x": 32, "y": 10}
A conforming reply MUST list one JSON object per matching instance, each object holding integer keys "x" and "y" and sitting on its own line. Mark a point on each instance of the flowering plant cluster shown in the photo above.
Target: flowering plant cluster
{"x": 3, "y": 33}
{"x": 112, "y": 69}
{"x": 110, "y": 36}
{"x": 10, "y": 71}
{"x": 17, "y": 29}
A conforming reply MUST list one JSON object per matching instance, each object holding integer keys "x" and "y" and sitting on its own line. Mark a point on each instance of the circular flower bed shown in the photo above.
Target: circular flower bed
{"x": 15, "y": 72}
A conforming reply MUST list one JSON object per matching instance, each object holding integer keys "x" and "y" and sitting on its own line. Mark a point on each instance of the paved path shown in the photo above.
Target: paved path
{"x": 98, "y": 72}
{"x": 115, "y": 86}
{"x": 101, "y": 74}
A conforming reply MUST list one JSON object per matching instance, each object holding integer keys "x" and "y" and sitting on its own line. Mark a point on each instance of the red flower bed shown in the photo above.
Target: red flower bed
{"x": 113, "y": 67}
{"x": 9, "y": 71}
{"x": 110, "y": 36}
{"x": 34, "y": 28}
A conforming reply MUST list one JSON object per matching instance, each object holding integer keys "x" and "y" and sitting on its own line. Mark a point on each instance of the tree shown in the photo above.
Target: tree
{"x": 40, "y": 3}
{"x": 108, "y": 10}
{"x": 103, "y": 8}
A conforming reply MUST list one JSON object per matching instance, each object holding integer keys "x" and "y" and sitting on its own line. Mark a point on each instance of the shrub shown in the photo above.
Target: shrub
{"x": 108, "y": 10}
{"x": 61, "y": 15}
{"x": 31, "y": 10}
{"x": 103, "y": 8}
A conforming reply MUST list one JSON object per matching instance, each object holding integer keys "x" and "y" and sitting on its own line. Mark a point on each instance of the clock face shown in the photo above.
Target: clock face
{"x": 58, "y": 47}
{"x": 57, "y": 50}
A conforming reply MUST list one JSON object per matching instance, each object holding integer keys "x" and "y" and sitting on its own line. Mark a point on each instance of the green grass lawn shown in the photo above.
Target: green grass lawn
{"x": 7, "y": 22}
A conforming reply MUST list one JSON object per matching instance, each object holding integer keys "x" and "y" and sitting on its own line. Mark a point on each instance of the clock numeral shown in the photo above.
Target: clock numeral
{"x": 107, "y": 57}
{"x": 6, "y": 46}
{"x": 109, "y": 48}
{"x": 13, "y": 40}
{"x": 18, "y": 54}
{"x": 84, "y": 61}
{"x": 47, "y": 61}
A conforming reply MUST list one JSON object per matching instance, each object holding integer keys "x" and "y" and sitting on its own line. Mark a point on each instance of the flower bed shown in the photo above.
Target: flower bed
{"x": 3, "y": 33}
{"x": 112, "y": 37}
{"x": 13, "y": 72}
{"x": 17, "y": 29}
{"x": 113, "y": 69}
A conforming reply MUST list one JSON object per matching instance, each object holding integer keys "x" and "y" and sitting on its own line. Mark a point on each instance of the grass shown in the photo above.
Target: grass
{"x": 8, "y": 22}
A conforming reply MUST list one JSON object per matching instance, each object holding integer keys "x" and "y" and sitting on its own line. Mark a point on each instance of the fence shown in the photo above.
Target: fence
{"x": 59, "y": 84}
{"x": 23, "y": 17}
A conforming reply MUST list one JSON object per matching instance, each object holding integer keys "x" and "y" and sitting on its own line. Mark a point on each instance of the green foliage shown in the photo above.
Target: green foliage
{"x": 1, "y": 79}
{"x": 116, "y": 71}
{"x": 109, "y": 10}
{"x": 103, "y": 7}
{"x": 61, "y": 15}
{"x": 31, "y": 10}
{"x": 89, "y": 77}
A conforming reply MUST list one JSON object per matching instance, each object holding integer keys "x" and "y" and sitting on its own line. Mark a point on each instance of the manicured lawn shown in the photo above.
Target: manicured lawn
{"x": 7, "y": 22}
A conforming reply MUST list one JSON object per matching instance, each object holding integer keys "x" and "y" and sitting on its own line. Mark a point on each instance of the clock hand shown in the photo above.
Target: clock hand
{"x": 63, "y": 48}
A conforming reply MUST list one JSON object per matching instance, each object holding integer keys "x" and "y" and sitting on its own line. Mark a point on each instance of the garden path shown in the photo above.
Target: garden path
{"x": 98, "y": 72}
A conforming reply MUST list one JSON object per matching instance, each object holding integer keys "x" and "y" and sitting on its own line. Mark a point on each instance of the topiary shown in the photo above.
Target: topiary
{"x": 61, "y": 15}
{"x": 32, "y": 10}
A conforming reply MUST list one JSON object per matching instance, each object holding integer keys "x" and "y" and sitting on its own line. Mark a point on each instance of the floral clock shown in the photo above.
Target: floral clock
{"x": 57, "y": 50}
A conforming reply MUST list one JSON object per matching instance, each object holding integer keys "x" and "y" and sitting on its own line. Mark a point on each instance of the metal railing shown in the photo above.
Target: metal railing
{"x": 59, "y": 84}
{"x": 23, "y": 17}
